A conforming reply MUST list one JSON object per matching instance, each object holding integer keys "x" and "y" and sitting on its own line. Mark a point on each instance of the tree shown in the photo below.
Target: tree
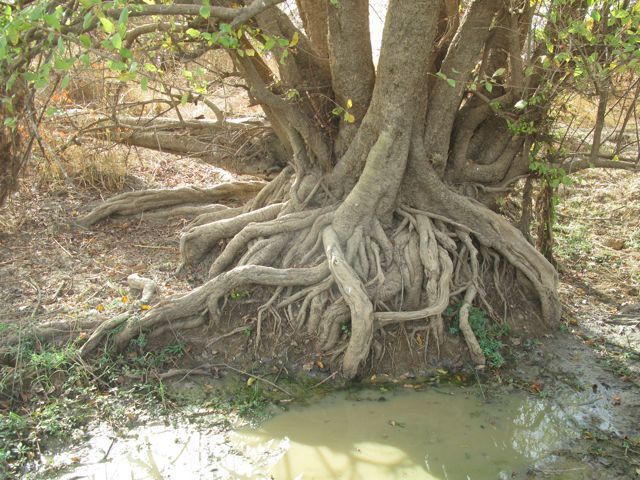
{"x": 385, "y": 214}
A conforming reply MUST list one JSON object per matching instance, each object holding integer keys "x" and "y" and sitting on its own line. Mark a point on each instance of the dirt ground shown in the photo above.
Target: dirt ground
{"x": 51, "y": 269}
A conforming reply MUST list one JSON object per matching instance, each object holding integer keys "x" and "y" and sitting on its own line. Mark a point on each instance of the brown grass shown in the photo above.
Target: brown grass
{"x": 85, "y": 167}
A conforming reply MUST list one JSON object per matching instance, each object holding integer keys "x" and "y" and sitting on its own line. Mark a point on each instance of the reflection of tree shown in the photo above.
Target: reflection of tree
{"x": 542, "y": 426}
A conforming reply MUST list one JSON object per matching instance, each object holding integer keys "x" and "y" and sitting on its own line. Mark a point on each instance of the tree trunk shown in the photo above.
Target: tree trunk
{"x": 371, "y": 227}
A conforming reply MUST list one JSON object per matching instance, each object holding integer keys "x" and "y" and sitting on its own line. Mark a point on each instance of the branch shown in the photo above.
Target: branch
{"x": 576, "y": 163}
{"x": 462, "y": 54}
{"x": 234, "y": 15}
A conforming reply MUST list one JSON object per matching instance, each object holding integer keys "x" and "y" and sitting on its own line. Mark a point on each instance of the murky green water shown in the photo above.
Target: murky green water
{"x": 438, "y": 434}
{"x": 442, "y": 433}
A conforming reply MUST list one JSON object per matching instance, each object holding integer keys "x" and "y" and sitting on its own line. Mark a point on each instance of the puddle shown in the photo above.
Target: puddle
{"x": 442, "y": 433}
{"x": 445, "y": 434}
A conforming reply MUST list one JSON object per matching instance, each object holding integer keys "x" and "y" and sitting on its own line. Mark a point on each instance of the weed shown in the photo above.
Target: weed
{"x": 572, "y": 241}
{"x": 345, "y": 328}
{"x": 488, "y": 336}
{"x": 46, "y": 393}
{"x": 238, "y": 295}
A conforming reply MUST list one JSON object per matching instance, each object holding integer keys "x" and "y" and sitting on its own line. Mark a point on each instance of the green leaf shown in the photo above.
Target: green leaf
{"x": 489, "y": 87}
{"x": 85, "y": 40}
{"x": 85, "y": 59}
{"x": 124, "y": 16}
{"x": 88, "y": 20}
{"x": 107, "y": 25}
{"x": 63, "y": 64}
{"x": 116, "y": 41}
{"x": 184, "y": 99}
{"x": 349, "y": 118}
{"x": 53, "y": 21}
{"x": 65, "y": 82}
{"x": 205, "y": 9}
{"x": 441, "y": 75}
{"x": 144, "y": 84}
{"x": 10, "y": 122}
{"x": 498, "y": 73}
{"x": 520, "y": 105}
{"x": 294, "y": 40}
{"x": 193, "y": 33}
{"x": 451, "y": 82}
{"x": 50, "y": 111}
{"x": 126, "y": 53}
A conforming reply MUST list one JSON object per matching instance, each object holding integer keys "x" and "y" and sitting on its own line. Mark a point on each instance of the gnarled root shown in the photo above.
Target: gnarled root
{"x": 344, "y": 293}
{"x": 165, "y": 203}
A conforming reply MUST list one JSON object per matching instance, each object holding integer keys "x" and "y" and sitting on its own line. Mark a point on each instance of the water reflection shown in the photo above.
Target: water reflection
{"x": 445, "y": 434}
{"x": 440, "y": 434}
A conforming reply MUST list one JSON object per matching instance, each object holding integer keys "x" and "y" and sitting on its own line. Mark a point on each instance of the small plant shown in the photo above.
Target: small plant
{"x": 238, "y": 295}
{"x": 488, "y": 336}
{"x": 345, "y": 328}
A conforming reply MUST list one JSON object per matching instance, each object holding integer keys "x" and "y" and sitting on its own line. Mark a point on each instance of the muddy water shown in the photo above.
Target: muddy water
{"x": 442, "y": 433}
{"x": 449, "y": 433}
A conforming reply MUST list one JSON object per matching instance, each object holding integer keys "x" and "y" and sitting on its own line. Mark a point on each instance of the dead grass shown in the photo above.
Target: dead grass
{"x": 597, "y": 241}
{"x": 85, "y": 167}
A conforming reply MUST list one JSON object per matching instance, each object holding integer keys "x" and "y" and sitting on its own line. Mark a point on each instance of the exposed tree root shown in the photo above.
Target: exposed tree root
{"x": 139, "y": 202}
{"x": 377, "y": 278}
{"x": 147, "y": 286}
{"x": 344, "y": 291}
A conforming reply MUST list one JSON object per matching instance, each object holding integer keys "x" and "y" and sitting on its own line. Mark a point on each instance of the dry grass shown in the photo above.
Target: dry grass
{"x": 85, "y": 167}
{"x": 598, "y": 232}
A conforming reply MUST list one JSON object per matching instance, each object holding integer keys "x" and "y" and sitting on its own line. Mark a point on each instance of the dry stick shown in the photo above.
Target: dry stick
{"x": 39, "y": 299}
{"x": 235, "y": 331}
{"x": 242, "y": 372}
{"x": 63, "y": 249}
{"x": 325, "y": 380}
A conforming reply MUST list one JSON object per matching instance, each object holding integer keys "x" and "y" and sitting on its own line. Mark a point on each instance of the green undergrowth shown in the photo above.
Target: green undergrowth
{"x": 488, "y": 335}
{"x": 49, "y": 393}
